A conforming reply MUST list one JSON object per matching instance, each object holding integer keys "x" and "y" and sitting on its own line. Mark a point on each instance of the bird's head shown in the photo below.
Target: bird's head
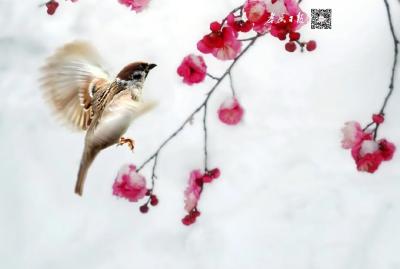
{"x": 135, "y": 74}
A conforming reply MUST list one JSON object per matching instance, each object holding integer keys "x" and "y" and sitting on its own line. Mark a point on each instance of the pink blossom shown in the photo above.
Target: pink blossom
{"x": 363, "y": 146}
{"x": 193, "y": 190}
{"x": 238, "y": 24}
{"x": 209, "y": 176}
{"x": 256, "y": 11}
{"x": 280, "y": 17}
{"x": 352, "y": 134}
{"x": 129, "y": 184}
{"x": 136, "y": 5}
{"x": 222, "y": 43}
{"x": 369, "y": 162}
{"x": 369, "y": 154}
{"x": 193, "y": 69}
{"x": 387, "y": 149}
{"x": 368, "y": 146}
{"x": 230, "y": 112}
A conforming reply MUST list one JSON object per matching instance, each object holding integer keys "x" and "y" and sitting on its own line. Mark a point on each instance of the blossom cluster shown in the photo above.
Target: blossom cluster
{"x": 281, "y": 18}
{"x": 193, "y": 192}
{"x": 131, "y": 185}
{"x": 367, "y": 152}
{"x": 225, "y": 41}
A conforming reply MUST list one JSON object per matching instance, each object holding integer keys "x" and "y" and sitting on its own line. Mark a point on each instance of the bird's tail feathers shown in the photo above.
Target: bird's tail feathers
{"x": 88, "y": 157}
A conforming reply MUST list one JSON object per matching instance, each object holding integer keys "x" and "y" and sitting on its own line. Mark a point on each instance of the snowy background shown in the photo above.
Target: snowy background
{"x": 288, "y": 197}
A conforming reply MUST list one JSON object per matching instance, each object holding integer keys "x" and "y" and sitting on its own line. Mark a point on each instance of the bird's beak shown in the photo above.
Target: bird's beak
{"x": 151, "y": 66}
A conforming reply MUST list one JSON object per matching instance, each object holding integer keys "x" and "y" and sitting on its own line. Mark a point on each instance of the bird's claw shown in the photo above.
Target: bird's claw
{"x": 130, "y": 142}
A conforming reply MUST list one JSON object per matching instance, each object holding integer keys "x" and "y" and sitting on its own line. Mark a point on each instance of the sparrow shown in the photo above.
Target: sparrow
{"x": 84, "y": 96}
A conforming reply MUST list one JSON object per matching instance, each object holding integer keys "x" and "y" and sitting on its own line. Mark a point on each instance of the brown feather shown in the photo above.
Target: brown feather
{"x": 88, "y": 156}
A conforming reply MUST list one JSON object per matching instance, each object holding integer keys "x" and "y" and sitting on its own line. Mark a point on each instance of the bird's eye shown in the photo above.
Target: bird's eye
{"x": 137, "y": 76}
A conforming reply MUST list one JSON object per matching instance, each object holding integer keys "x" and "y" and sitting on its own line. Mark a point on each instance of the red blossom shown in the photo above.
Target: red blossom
{"x": 209, "y": 176}
{"x": 256, "y": 12}
{"x": 369, "y": 162}
{"x": 190, "y": 218}
{"x": 284, "y": 26}
{"x": 238, "y": 24}
{"x": 387, "y": 149}
{"x": 193, "y": 69}
{"x": 368, "y": 154}
{"x": 52, "y": 7}
{"x": 193, "y": 190}
{"x": 353, "y": 134}
{"x": 144, "y": 208}
{"x": 230, "y": 112}
{"x": 294, "y": 36}
{"x": 290, "y": 46}
{"x": 222, "y": 43}
{"x": 153, "y": 200}
{"x": 378, "y": 118}
{"x": 129, "y": 184}
{"x": 311, "y": 45}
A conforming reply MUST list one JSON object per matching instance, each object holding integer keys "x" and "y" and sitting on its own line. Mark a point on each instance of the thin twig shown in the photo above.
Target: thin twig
{"x": 394, "y": 66}
{"x": 248, "y": 39}
{"x": 396, "y": 52}
{"x": 368, "y": 125}
{"x": 153, "y": 172}
{"x": 205, "y": 137}
{"x": 211, "y": 76}
{"x": 231, "y": 84}
{"x": 233, "y": 11}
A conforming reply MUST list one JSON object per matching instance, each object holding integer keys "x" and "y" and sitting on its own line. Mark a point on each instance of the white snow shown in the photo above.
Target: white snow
{"x": 289, "y": 196}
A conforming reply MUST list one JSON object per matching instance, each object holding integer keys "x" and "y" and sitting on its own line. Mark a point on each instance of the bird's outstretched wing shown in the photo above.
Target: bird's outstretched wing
{"x": 69, "y": 79}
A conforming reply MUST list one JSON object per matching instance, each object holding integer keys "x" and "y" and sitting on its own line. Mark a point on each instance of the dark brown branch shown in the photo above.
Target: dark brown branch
{"x": 396, "y": 52}
{"x": 205, "y": 137}
{"x": 231, "y": 84}
{"x": 249, "y": 38}
{"x": 394, "y": 67}
{"x": 211, "y": 76}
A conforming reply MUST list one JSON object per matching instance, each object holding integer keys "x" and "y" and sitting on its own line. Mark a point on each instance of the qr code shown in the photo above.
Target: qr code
{"x": 321, "y": 18}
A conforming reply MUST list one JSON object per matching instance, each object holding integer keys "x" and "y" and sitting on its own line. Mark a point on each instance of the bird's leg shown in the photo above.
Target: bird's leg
{"x": 130, "y": 142}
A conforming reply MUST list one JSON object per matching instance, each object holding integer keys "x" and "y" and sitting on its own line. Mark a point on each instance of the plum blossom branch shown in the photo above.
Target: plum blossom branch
{"x": 368, "y": 152}
{"x": 393, "y": 71}
{"x": 211, "y": 76}
{"x": 394, "y": 66}
{"x": 224, "y": 44}
{"x": 248, "y": 39}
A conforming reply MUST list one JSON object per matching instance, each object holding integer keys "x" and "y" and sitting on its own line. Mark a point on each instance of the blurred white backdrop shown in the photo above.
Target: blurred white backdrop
{"x": 288, "y": 197}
